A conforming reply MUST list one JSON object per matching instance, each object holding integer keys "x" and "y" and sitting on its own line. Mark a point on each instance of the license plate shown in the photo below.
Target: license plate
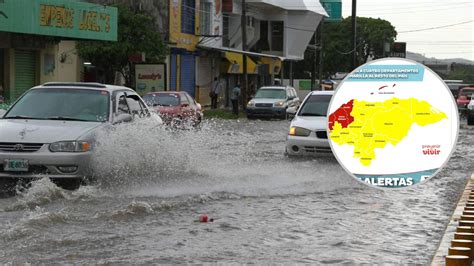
{"x": 15, "y": 165}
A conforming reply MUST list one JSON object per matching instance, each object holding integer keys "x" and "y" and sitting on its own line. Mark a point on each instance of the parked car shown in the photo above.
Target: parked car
{"x": 470, "y": 112}
{"x": 464, "y": 97}
{"x": 455, "y": 86}
{"x": 175, "y": 108}
{"x": 272, "y": 101}
{"x": 307, "y": 134}
{"x": 50, "y": 130}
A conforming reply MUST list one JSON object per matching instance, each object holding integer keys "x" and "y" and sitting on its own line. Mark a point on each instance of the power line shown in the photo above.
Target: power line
{"x": 420, "y": 11}
{"x": 439, "y": 27}
{"x": 417, "y": 6}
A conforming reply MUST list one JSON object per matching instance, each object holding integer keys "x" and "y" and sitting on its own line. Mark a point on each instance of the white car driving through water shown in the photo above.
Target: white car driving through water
{"x": 307, "y": 134}
{"x": 50, "y": 130}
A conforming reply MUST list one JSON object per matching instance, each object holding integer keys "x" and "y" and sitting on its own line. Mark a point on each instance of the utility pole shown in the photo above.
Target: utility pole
{"x": 313, "y": 65}
{"x": 243, "y": 26}
{"x": 320, "y": 29}
{"x": 291, "y": 73}
{"x": 354, "y": 34}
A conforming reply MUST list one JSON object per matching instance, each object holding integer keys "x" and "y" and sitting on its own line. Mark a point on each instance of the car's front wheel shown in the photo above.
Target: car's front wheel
{"x": 67, "y": 183}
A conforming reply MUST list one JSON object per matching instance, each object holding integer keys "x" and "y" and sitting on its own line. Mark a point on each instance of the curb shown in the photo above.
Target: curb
{"x": 457, "y": 245}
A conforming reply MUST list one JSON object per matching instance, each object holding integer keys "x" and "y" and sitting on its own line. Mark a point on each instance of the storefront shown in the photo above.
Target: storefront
{"x": 261, "y": 69}
{"x": 184, "y": 24}
{"x": 37, "y": 43}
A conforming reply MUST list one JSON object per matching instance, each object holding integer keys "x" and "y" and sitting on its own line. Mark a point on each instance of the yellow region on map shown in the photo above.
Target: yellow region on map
{"x": 377, "y": 124}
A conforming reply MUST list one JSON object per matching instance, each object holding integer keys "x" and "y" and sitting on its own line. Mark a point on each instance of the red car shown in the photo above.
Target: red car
{"x": 464, "y": 97}
{"x": 175, "y": 108}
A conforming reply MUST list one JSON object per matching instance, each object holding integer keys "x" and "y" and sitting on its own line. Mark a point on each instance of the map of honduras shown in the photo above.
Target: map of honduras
{"x": 372, "y": 125}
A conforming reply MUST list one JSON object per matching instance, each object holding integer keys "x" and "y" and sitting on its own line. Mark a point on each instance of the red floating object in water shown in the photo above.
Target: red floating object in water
{"x": 203, "y": 218}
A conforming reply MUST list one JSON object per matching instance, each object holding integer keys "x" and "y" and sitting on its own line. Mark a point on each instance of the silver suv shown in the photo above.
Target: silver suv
{"x": 272, "y": 101}
{"x": 50, "y": 130}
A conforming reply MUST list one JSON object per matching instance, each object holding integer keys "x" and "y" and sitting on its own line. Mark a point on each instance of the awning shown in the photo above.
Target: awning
{"x": 234, "y": 56}
{"x": 236, "y": 64}
{"x": 274, "y": 65}
{"x": 296, "y": 5}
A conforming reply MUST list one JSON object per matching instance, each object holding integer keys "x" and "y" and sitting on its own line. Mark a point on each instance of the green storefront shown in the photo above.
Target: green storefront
{"x": 31, "y": 31}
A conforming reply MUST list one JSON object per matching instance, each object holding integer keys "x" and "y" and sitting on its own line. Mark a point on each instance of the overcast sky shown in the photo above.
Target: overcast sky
{"x": 449, "y": 42}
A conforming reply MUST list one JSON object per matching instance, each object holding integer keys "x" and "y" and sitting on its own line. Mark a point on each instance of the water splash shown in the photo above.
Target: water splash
{"x": 144, "y": 160}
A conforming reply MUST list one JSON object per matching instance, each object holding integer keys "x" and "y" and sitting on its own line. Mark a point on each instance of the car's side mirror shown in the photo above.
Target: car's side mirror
{"x": 2, "y": 112}
{"x": 290, "y": 112}
{"x": 291, "y": 97}
{"x": 122, "y": 118}
{"x": 199, "y": 106}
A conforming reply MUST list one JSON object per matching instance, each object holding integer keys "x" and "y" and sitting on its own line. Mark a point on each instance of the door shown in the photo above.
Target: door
{"x": 187, "y": 74}
{"x": 25, "y": 72}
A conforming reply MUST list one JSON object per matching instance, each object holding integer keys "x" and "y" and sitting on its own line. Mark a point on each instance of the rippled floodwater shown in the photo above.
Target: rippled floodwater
{"x": 267, "y": 208}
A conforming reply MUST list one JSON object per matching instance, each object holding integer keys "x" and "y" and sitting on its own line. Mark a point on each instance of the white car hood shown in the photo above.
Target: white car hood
{"x": 267, "y": 100}
{"x": 310, "y": 122}
{"x": 42, "y": 131}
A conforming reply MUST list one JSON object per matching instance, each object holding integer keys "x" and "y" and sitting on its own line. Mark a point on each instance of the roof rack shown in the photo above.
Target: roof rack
{"x": 75, "y": 84}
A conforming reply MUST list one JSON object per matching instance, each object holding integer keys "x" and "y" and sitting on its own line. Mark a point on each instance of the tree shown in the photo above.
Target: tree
{"x": 337, "y": 45}
{"x": 462, "y": 72}
{"x": 135, "y": 35}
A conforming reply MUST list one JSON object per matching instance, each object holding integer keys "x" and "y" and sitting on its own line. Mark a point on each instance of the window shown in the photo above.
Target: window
{"x": 205, "y": 18}
{"x": 184, "y": 99}
{"x": 190, "y": 99}
{"x": 136, "y": 105}
{"x": 225, "y": 32}
{"x": 63, "y": 103}
{"x": 188, "y": 8}
{"x": 277, "y": 35}
{"x": 315, "y": 105}
{"x": 162, "y": 99}
{"x": 290, "y": 93}
{"x": 122, "y": 106}
{"x": 271, "y": 93}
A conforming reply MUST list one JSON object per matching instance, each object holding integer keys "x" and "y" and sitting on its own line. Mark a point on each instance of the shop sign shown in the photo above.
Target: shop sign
{"x": 180, "y": 39}
{"x": 61, "y": 18}
{"x": 150, "y": 77}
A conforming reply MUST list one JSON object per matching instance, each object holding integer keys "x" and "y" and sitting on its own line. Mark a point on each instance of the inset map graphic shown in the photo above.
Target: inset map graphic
{"x": 392, "y": 123}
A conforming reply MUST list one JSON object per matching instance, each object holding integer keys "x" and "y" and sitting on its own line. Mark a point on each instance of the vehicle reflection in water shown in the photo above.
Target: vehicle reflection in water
{"x": 155, "y": 184}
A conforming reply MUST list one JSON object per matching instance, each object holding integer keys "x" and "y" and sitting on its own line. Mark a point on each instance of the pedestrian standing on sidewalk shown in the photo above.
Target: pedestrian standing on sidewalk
{"x": 214, "y": 93}
{"x": 234, "y": 98}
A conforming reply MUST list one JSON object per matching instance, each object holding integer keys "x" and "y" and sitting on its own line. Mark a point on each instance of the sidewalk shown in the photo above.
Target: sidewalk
{"x": 456, "y": 220}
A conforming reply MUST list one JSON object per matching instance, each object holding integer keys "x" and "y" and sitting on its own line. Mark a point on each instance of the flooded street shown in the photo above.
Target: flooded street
{"x": 154, "y": 185}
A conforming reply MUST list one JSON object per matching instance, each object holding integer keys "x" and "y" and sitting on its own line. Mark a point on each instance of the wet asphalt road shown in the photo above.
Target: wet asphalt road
{"x": 267, "y": 208}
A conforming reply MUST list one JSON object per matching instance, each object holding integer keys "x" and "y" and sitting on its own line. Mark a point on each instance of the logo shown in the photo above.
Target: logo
{"x": 18, "y": 147}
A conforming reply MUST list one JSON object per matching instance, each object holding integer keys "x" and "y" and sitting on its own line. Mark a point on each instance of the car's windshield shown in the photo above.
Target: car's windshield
{"x": 467, "y": 93}
{"x": 271, "y": 93}
{"x": 62, "y": 104}
{"x": 162, "y": 99}
{"x": 315, "y": 105}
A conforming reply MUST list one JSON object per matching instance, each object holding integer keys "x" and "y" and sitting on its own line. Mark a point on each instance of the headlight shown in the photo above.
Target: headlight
{"x": 70, "y": 146}
{"x": 251, "y": 104}
{"x": 299, "y": 131}
{"x": 280, "y": 104}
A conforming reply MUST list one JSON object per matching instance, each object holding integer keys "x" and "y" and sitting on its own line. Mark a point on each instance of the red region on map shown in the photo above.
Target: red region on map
{"x": 342, "y": 115}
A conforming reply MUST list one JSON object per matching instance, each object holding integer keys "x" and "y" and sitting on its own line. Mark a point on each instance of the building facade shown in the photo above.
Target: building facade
{"x": 37, "y": 43}
{"x": 205, "y": 37}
